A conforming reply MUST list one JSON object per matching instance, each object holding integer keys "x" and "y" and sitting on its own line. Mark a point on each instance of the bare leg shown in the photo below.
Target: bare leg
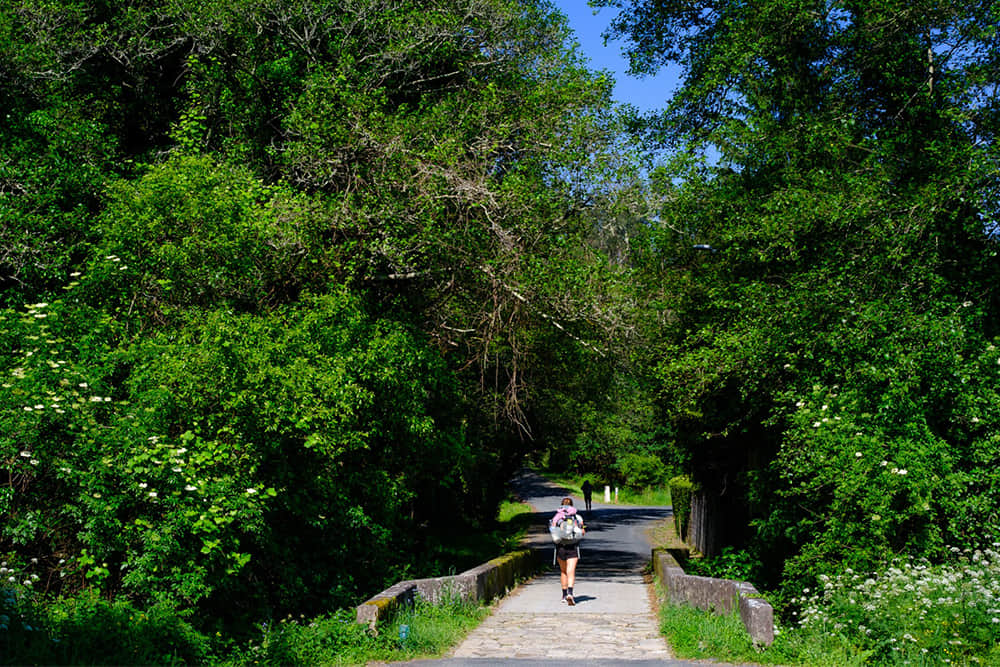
{"x": 568, "y": 574}
{"x": 563, "y": 573}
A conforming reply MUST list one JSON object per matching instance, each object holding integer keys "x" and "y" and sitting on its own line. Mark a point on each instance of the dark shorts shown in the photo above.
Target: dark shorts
{"x": 564, "y": 552}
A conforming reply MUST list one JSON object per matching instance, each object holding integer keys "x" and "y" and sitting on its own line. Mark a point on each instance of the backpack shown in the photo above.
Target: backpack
{"x": 566, "y": 528}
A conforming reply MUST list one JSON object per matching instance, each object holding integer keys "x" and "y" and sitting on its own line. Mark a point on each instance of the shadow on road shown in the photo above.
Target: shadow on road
{"x": 616, "y": 544}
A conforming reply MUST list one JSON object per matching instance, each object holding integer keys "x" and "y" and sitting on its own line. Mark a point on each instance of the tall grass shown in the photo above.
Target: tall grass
{"x": 657, "y": 496}
{"x": 511, "y": 510}
{"x": 425, "y": 631}
{"x": 701, "y": 635}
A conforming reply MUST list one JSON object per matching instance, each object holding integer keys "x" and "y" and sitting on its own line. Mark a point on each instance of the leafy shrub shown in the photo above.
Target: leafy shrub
{"x": 730, "y": 563}
{"x": 91, "y": 630}
{"x": 224, "y": 450}
{"x": 87, "y": 630}
{"x": 640, "y": 470}
{"x": 895, "y": 459}
{"x": 681, "y": 489}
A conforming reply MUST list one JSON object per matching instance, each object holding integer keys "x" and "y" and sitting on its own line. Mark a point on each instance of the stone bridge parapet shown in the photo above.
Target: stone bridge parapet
{"x": 718, "y": 595}
{"x": 482, "y": 583}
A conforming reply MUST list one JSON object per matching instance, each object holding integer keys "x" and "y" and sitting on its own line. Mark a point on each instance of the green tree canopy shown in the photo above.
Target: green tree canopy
{"x": 850, "y": 196}
{"x": 281, "y": 282}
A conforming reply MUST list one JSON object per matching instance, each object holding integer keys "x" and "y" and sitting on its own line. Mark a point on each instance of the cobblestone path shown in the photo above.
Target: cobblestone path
{"x": 557, "y": 631}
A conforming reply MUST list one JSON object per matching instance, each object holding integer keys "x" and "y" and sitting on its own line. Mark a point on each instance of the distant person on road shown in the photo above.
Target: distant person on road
{"x": 567, "y": 550}
{"x": 588, "y": 491}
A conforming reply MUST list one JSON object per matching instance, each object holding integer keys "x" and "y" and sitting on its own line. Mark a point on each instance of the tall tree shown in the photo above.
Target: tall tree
{"x": 851, "y": 197}
{"x": 283, "y": 279}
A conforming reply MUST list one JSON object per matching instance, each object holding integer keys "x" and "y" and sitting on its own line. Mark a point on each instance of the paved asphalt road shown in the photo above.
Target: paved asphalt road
{"x": 616, "y": 543}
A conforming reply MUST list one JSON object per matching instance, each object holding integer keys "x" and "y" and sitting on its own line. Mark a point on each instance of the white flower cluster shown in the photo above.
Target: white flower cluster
{"x": 114, "y": 259}
{"x": 910, "y": 595}
{"x": 12, "y": 576}
{"x": 69, "y": 395}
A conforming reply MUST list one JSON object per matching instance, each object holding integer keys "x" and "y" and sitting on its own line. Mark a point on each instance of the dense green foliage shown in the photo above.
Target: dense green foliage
{"x": 831, "y": 369}
{"x": 89, "y": 630}
{"x": 910, "y": 612}
{"x": 285, "y": 288}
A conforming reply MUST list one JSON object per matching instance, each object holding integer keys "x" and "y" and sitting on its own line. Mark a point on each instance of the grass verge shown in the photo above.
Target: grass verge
{"x": 699, "y": 635}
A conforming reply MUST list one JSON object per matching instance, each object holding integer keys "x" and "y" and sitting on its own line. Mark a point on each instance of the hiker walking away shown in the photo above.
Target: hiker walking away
{"x": 567, "y": 529}
{"x": 588, "y": 491}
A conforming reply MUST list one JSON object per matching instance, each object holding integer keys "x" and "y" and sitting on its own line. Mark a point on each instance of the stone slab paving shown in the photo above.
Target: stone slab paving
{"x": 613, "y": 619}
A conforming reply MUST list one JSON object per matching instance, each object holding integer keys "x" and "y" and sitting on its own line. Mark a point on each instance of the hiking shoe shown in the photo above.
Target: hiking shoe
{"x": 570, "y": 601}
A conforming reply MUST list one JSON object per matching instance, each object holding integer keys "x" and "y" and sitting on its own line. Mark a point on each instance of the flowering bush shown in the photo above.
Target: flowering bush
{"x": 914, "y": 611}
{"x": 890, "y": 460}
{"x": 18, "y": 623}
{"x": 188, "y": 465}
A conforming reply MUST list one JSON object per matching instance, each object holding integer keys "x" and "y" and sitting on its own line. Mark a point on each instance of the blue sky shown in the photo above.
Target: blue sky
{"x": 647, "y": 93}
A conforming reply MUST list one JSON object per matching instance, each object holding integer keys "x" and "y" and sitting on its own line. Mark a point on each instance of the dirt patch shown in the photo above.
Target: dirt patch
{"x": 663, "y": 534}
